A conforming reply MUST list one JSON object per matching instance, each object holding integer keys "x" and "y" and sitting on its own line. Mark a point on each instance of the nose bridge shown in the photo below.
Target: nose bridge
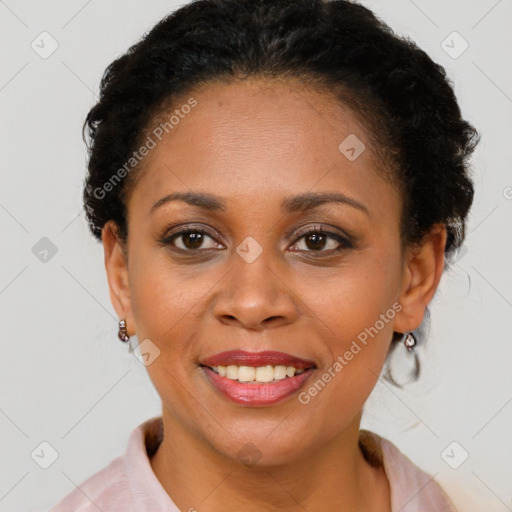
{"x": 253, "y": 277}
{"x": 255, "y": 292}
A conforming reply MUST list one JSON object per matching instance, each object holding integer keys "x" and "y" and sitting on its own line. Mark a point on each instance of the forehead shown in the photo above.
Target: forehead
{"x": 262, "y": 139}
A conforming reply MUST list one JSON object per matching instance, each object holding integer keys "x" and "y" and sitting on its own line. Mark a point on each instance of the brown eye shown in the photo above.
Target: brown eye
{"x": 316, "y": 241}
{"x": 190, "y": 240}
{"x": 320, "y": 241}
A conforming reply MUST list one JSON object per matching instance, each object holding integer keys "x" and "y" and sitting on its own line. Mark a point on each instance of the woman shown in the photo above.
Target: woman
{"x": 276, "y": 185}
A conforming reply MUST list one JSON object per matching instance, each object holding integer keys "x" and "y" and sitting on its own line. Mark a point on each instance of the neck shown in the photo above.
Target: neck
{"x": 335, "y": 476}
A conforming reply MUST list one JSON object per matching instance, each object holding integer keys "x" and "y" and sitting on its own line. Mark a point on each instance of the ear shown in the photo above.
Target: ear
{"x": 423, "y": 269}
{"x": 116, "y": 265}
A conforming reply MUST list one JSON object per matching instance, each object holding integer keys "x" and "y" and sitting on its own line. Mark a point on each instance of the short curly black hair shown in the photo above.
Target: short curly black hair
{"x": 405, "y": 99}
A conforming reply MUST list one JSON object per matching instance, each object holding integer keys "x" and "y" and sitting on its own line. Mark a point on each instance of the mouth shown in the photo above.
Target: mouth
{"x": 257, "y": 374}
{"x": 257, "y": 378}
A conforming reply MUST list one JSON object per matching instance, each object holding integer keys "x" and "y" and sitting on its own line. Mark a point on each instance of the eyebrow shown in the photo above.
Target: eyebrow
{"x": 291, "y": 204}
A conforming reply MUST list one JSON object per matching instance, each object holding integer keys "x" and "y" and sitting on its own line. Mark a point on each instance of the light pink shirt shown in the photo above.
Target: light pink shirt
{"x": 128, "y": 483}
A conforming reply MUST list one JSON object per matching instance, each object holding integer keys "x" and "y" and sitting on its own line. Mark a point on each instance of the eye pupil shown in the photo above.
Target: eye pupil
{"x": 317, "y": 237}
{"x": 195, "y": 239}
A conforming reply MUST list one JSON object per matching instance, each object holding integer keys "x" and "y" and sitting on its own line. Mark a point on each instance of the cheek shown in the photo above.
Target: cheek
{"x": 163, "y": 300}
{"x": 357, "y": 311}
{"x": 165, "y": 307}
{"x": 356, "y": 294}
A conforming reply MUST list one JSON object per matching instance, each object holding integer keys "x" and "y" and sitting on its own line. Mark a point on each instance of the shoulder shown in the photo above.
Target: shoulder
{"x": 99, "y": 491}
{"x": 412, "y": 489}
{"x": 127, "y": 483}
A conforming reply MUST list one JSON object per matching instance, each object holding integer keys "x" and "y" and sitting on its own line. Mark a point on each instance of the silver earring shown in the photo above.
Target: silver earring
{"x": 409, "y": 341}
{"x": 123, "y": 333}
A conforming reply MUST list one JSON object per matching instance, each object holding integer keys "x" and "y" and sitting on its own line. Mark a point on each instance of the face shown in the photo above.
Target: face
{"x": 244, "y": 271}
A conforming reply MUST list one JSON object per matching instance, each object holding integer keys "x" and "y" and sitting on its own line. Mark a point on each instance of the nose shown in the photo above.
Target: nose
{"x": 255, "y": 296}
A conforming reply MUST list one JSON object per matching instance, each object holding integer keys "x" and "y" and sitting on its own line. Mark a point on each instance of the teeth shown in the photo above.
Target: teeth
{"x": 246, "y": 373}
{"x": 232, "y": 372}
{"x": 264, "y": 374}
{"x": 257, "y": 374}
{"x": 290, "y": 371}
{"x": 279, "y": 372}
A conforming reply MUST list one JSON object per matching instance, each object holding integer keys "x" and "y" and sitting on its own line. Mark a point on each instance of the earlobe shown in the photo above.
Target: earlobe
{"x": 423, "y": 269}
{"x": 117, "y": 272}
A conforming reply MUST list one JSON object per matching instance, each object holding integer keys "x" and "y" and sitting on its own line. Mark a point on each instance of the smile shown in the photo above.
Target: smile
{"x": 256, "y": 378}
{"x": 259, "y": 374}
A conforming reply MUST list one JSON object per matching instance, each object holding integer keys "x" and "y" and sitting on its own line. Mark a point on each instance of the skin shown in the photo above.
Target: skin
{"x": 254, "y": 143}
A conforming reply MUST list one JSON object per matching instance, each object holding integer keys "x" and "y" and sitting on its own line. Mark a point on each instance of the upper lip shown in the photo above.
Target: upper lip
{"x": 264, "y": 358}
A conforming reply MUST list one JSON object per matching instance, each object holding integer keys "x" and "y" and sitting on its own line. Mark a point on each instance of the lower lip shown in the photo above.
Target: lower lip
{"x": 257, "y": 394}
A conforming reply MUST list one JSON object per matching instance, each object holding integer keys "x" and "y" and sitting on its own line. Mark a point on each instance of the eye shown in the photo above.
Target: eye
{"x": 317, "y": 240}
{"x": 191, "y": 240}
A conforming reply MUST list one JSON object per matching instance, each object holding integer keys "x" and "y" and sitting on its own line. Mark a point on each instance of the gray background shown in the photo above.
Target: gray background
{"x": 66, "y": 380}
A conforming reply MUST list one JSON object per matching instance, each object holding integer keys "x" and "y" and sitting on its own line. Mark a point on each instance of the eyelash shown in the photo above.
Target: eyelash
{"x": 345, "y": 242}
